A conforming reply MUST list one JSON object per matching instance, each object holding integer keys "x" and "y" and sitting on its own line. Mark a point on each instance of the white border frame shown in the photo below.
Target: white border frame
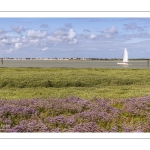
{"x": 74, "y": 14}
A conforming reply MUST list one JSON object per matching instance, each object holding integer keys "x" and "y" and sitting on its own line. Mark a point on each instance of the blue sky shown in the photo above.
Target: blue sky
{"x": 74, "y": 37}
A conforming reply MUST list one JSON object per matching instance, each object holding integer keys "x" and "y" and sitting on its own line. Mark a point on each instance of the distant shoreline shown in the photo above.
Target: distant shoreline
{"x": 99, "y": 59}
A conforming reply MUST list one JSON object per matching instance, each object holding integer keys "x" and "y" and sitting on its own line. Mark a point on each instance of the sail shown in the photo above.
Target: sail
{"x": 125, "y": 56}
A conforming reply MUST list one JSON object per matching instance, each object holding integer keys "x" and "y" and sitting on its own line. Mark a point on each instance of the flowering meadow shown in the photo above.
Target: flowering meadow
{"x": 74, "y": 114}
{"x": 74, "y": 100}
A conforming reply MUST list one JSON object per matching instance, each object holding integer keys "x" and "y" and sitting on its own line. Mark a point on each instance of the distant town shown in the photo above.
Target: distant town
{"x": 74, "y": 58}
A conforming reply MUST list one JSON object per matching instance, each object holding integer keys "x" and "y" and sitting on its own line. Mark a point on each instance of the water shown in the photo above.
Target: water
{"x": 73, "y": 64}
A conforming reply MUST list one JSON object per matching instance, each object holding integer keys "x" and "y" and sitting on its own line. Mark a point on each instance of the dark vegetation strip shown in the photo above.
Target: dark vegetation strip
{"x": 69, "y": 77}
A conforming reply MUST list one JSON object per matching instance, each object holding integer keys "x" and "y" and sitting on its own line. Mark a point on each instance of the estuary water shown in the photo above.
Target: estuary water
{"x": 73, "y": 64}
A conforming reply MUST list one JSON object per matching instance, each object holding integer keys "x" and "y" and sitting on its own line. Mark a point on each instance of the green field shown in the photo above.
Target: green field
{"x": 21, "y": 83}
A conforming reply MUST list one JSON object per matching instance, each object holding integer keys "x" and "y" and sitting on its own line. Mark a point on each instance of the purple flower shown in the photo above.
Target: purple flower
{"x": 30, "y": 126}
{"x": 86, "y": 127}
{"x": 74, "y": 114}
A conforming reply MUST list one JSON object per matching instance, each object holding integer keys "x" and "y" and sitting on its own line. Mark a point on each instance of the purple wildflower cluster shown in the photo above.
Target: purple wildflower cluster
{"x": 75, "y": 115}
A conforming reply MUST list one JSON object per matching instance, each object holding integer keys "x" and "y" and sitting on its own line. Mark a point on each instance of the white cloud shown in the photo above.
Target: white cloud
{"x": 10, "y": 41}
{"x": 74, "y": 41}
{"x": 18, "y": 29}
{"x": 109, "y": 33}
{"x": 93, "y": 36}
{"x": 10, "y": 50}
{"x": 15, "y": 40}
{"x": 18, "y": 45}
{"x": 6, "y": 41}
{"x": 62, "y": 36}
{"x": 51, "y": 38}
{"x": 111, "y": 30}
{"x": 34, "y": 40}
{"x": 133, "y": 26}
{"x": 36, "y": 34}
{"x": 45, "y": 49}
{"x": 24, "y": 39}
{"x": 72, "y": 34}
{"x": 107, "y": 36}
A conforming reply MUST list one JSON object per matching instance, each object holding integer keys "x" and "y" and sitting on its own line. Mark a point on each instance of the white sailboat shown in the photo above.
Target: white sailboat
{"x": 125, "y": 58}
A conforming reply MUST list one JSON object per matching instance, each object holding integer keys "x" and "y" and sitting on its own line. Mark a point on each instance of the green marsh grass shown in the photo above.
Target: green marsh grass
{"x": 20, "y": 83}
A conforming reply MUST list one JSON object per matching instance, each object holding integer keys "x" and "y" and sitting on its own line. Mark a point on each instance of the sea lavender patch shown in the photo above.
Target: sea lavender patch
{"x": 75, "y": 114}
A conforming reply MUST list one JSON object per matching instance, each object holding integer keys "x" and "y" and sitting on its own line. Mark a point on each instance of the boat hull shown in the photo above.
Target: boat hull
{"x": 122, "y": 63}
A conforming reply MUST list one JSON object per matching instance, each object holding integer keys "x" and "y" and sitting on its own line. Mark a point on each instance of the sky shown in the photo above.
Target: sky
{"x": 74, "y": 37}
